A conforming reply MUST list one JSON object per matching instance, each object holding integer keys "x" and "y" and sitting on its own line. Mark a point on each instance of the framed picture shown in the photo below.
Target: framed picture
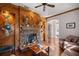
{"x": 70, "y": 25}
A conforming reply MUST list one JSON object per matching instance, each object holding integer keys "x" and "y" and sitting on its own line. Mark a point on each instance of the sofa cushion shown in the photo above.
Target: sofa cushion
{"x": 72, "y": 38}
{"x": 78, "y": 42}
{"x": 69, "y": 44}
{"x": 70, "y": 53}
{"x": 75, "y": 39}
{"x": 69, "y": 38}
{"x": 76, "y": 49}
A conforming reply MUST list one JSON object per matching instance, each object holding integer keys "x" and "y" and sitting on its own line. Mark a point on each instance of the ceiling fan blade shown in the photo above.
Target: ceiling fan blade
{"x": 44, "y": 8}
{"x": 38, "y": 6}
{"x": 50, "y": 5}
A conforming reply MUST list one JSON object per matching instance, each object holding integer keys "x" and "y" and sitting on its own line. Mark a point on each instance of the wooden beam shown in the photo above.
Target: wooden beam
{"x": 63, "y": 13}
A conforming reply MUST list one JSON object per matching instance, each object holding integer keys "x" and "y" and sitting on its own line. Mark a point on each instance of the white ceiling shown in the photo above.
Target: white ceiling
{"x": 59, "y": 7}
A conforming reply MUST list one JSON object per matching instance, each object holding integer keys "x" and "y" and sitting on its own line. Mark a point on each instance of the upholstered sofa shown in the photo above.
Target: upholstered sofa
{"x": 6, "y": 50}
{"x": 70, "y": 46}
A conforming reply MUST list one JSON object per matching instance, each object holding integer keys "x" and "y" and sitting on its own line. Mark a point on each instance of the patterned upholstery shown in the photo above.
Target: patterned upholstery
{"x": 70, "y": 45}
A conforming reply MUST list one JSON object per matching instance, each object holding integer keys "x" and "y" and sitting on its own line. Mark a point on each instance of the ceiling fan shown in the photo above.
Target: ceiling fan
{"x": 44, "y": 5}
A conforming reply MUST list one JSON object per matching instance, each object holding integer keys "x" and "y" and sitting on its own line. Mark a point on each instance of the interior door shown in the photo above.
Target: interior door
{"x": 53, "y": 37}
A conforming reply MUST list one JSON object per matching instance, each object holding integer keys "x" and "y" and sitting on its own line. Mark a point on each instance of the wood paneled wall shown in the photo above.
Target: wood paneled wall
{"x": 20, "y": 13}
{"x": 12, "y": 9}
